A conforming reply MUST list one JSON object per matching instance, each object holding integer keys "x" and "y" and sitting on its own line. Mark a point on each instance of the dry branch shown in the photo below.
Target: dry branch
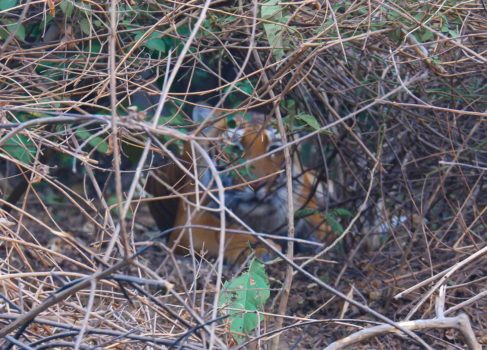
{"x": 395, "y": 95}
{"x": 460, "y": 322}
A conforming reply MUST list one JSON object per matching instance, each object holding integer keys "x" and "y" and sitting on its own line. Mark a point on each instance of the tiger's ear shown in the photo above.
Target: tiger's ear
{"x": 202, "y": 112}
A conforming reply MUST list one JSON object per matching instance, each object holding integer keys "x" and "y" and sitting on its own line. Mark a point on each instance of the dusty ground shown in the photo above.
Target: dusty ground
{"x": 370, "y": 277}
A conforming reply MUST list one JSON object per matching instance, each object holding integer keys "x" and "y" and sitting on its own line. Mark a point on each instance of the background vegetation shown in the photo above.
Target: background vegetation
{"x": 395, "y": 92}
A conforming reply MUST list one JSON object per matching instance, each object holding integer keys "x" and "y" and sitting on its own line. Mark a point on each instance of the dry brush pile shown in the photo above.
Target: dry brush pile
{"x": 393, "y": 95}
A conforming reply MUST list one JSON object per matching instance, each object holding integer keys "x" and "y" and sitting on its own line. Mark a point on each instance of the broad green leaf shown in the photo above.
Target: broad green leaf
{"x": 241, "y": 87}
{"x": 272, "y": 11}
{"x": 154, "y": 42}
{"x": 342, "y": 212}
{"x": 183, "y": 30}
{"x": 67, "y": 7}
{"x": 243, "y": 297}
{"x": 244, "y": 86}
{"x": 132, "y": 151}
{"x": 6, "y": 4}
{"x": 202, "y": 75}
{"x": 21, "y": 148}
{"x": 208, "y": 25}
{"x": 20, "y": 34}
{"x": 13, "y": 27}
{"x": 92, "y": 47}
{"x": 85, "y": 26}
{"x": 425, "y": 35}
{"x": 335, "y": 225}
{"x": 96, "y": 142}
{"x": 444, "y": 27}
{"x": 112, "y": 203}
{"x": 309, "y": 119}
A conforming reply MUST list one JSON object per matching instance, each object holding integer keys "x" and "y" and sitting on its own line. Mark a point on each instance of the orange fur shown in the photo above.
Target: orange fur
{"x": 188, "y": 220}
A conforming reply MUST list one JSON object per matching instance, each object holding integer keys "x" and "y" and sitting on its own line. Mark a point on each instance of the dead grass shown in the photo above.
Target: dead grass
{"x": 398, "y": 89}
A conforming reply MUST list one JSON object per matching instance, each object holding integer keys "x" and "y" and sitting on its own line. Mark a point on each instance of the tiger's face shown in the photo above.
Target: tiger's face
{"x": 257, "y": 191}
{"x": 244, "y": 149}
{"x": 248, "y": 140}
{"x": 243, "y": 137}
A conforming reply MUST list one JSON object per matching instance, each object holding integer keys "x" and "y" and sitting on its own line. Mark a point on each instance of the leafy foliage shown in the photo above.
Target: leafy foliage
{"x": 334, "y": 216}
{"x": 242, "y": 299}
{"x": 274, "y": 17}
{"x": 97, "y": 142}
{"x": 309, "y": 120}
{"x": 21, "y": 148}
{"x": 350, "y": 55}
{"x": 12, "y": 27}
{"x": 155, "y": 42}
{"x": 7, "y": 4}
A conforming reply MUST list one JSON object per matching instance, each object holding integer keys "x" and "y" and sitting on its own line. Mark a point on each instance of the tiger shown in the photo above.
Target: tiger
{"x": 257, "y": 195}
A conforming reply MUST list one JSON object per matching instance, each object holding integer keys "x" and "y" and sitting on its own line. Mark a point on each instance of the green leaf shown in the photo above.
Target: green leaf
{"x": 13, "y": 27}
{"x": 271, "y": 11}
{"x": 335, "y": 225}
{"x": 7, "y": 4}
{"x": 96, "y": 142}
{"x": 93, "y": 46}
{"x": 393, "y": 14}
{"x": 342, "y": 212}
{"x": 21, "y": 148}
{"x": 290, "y": 105}
{"x": 444, "y": 27}
{"x": 67, "y": 7}
{"x": 112, "y": 202}
{"x": 132, "y": 151}
{"x": 245, "y": 86}
{"x": 304, "y": 212}
{"x": 155, "y": 42}
{"x": 175, "y": 119}
{"x": 183, "y": 30}
{"x": 243, "y": 297}
{"x": 309, "y": 119}
{"x": 202, "y": 75}
{"x": 20, "y": 34}
{"x": 453, "y": 33}
{"x": 52, "y": 70}
{"x": 85, "y": 26}
{"x": 241, "y": 87}
{"x": 425, "y": 35}
{"x": 208, "y": 24}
